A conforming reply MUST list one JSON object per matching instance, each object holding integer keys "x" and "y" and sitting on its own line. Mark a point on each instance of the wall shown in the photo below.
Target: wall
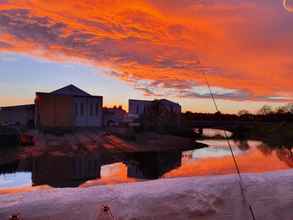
{"x": 113, "y": 116}
{"x": 23, "y": 115}
{"x": 54, "y": 111}
{"x": 137, "y": 106}
{"x": 169, "y": 105}
{"x": 88, "y": 111}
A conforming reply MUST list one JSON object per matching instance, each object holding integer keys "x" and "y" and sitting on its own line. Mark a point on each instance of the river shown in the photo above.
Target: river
{"x": 86, "y": 170}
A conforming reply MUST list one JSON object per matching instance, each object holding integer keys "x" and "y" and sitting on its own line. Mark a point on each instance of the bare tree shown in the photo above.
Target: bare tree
{"x": 289, "y": 108}
{"x": 243, "y": 112}
{"x": 281, "y": 109}
{"x": 265, "y": 110}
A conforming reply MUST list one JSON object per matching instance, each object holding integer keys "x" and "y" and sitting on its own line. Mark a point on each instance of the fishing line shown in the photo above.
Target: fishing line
{"x": 231, "y": 150}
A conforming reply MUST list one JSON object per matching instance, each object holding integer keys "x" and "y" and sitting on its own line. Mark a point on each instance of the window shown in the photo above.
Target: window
{"x": 91, "y": 110}
{"x": 97, "y": 109}
{"x": 76, "y": 109}
{"x": 81, "y": 109}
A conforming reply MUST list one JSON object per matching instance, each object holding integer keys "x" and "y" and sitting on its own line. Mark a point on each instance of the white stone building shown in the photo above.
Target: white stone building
{"x": 68, "y": 107}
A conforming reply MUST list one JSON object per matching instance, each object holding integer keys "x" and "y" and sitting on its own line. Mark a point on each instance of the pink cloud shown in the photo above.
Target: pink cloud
{"x": 245, "y": 48}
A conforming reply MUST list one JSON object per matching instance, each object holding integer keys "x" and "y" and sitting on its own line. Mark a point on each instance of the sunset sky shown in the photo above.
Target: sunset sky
{"x": 149, "y": 49}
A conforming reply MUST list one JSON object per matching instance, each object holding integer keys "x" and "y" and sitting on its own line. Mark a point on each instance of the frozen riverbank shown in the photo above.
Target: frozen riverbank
{"x": 217, "y": 197}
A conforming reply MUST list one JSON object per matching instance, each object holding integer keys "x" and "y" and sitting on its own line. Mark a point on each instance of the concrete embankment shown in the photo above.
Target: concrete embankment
{"x": 206, "y": 198}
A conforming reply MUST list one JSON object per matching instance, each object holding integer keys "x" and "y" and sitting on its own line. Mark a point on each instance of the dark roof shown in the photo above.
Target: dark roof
{"x": 155, "y": 100}
{"x": 139, "y": 100}
{"x": 70, "y": 90}
{"x": 167, "y": 101}
{"x": 28, "y": 106}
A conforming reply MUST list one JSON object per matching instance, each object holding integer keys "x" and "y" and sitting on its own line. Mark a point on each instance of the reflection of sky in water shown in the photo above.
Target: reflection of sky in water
{"x": 219, "y": 148}
{"x": 215, "y": 132}
{"x": 235, "y": 144}
{"x": 115, "y": 169}
{"x": 15, "y": 179}
{"x": 252, "y": 156}
{"x": 212, "y": 152}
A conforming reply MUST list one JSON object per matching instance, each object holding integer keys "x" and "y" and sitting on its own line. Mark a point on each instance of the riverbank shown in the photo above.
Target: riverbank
{"x": 94, "y": 141}
{"x": 273, "y": 134}
{"x": 206, "y": 198}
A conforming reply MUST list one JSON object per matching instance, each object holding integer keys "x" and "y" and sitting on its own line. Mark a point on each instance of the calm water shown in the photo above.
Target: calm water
{"x": 15, "y": 179}
{"x": 86, "y": 170}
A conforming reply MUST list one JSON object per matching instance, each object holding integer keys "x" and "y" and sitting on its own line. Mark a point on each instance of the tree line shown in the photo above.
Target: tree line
{"x": 266, "y": 114}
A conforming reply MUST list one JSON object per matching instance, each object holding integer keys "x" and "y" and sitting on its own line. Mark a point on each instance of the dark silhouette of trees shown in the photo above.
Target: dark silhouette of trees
{"x": 265, "y": 114}
{"x": 243, "y": 112}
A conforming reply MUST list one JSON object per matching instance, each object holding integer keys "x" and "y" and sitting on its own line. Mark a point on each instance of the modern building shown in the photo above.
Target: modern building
{"x": 68, "y": 107}
{"x": 139, "y": 107}
{"x": 160, "y": 114}
{"x": 168, "y": 105}
{"x": 22, "y": 115}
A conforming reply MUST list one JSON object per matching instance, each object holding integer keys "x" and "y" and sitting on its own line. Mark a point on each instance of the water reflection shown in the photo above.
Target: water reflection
{"x": 254, "y": 157}
{"x": 15, "y": 179}
{"x": 65, "y": 171}
{"x": 61, "y": 170}
{"x": 286, "y": 155}
{"x": 212, "y": 133}
{"x": 152, "y": 165}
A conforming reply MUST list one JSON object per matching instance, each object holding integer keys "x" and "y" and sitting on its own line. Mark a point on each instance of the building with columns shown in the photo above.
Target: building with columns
{"x": 68, "y": 107}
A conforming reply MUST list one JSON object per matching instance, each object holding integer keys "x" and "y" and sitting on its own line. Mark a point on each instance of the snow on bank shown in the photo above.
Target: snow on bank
{"x": 200, "y": 198}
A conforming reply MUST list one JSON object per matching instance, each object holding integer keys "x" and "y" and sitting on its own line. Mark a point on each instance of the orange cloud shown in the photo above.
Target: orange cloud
{"x": 162, "y": 47}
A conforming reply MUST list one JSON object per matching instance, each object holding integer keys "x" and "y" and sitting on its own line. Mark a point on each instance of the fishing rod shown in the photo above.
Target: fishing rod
{"x": 231, "y": 151}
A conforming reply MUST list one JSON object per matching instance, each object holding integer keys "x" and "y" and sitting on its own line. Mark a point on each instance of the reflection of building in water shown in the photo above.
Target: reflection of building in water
{"x": 243, "y": 145}
{"x": 15, "y": 166}
{"x": 152, "y": 165}
{"x": 9, "y": 168}
{"x": 65, "y": 171}
{"x": 285, "y": 155}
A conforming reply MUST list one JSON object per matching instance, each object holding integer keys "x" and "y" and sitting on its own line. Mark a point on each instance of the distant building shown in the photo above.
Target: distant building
{"x": 113, "y": 116}
{"x": 22, "y": 115}
{"x": 159, "y": 114}
{"x": 139, "y": 107}
{"x": 169, "y": 106}
{"x": 68, "y": 107}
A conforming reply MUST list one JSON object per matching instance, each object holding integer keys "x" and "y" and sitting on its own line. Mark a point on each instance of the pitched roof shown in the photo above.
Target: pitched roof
{"x": 167, "y": 101}
{"x": 70, "y": 90}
